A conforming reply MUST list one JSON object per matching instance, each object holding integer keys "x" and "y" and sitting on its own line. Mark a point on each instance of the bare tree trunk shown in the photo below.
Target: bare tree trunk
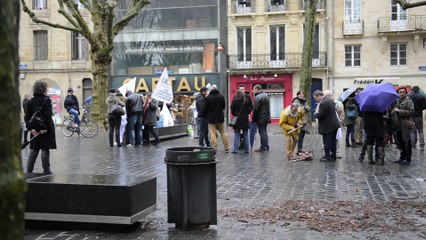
{"x": 12, "y": 180}
{"x": 308, "y": 45}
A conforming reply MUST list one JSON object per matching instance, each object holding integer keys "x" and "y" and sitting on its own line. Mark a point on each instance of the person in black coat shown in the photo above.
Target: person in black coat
{"x": 72, "y": 106}
{"x": 241, "y": 108}
{"x": 215, "y": 104}
{"x": 328, "y": 123}
{"x": 45, "y": 139}
{"x": 24, "y": 107}
{"x": 374, "y": 128}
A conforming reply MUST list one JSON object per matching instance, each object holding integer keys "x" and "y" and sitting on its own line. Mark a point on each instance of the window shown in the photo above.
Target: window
{"x": 398, "y": 54}
{"x": 244, "y": 43}
{"x": 315, "y": 52}
{"x": 352, "y": 55}
{"x": 276, "y": 42}
{"x": 39, "y": 4}
{"x": 320, "y": 4}
{"x": 397, "y": 13}
{"x": 40, "y": 45}
{"x": 276, "y": 5}
{"x": 79, "y": 5}
{"x": 79, "y": 47}
{"x": 352, "y": 11}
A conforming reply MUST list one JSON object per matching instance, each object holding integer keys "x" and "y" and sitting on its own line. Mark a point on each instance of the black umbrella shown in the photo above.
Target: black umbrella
{"x": 25, "y": 144}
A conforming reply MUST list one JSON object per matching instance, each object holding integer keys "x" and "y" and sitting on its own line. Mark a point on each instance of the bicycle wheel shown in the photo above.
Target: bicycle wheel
{"x": 67, "y": 128}
{"x": 88, "y": 129}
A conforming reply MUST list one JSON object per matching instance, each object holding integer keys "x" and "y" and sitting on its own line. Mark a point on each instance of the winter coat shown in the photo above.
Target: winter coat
{"x": 150, "y": 113}
{"x": 406, "y": 111}
{"x": 71, "y": 102}
{"x": 419, "y": 101}
{"x": 48, "y": 139}
{"x": 215, "y": 104}
{"x": 261, "y": 112}
{"x": 243, "y": 116}
{"x": 374, "y": 124}
{"x": 306, "y": 109}
{"x": 112, "y": 100}
{"x": 134, "y": 104}
{"x": 200, "y": 105}
{"x": 327, "y": 116}
{"x": 288, "y": 122}
{"x": 349, "y": 102}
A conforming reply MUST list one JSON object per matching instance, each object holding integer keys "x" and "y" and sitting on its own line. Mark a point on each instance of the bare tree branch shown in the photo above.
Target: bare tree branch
{"x": 133, "y": 10}
{"x": 405, "y": 5}
{"x": 36, "y": 20}
{"x": 78, "y": 19}
{"x": 66, "y": 15}
{"x": 87, "y": 5}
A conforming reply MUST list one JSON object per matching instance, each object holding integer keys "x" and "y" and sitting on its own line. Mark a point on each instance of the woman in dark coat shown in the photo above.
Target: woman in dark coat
{"x": 150, "y": 118}
{"x": 45, "y": 139}
{"x": 241, "y": 108}
{"x": 374, "y": 127}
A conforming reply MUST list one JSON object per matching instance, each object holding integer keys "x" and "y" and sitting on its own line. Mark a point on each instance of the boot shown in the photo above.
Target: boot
{"x": 370, "y": 154}
{"x": 381, "y": 160}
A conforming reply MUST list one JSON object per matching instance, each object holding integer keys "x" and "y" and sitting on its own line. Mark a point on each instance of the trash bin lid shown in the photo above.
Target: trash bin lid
{"x": 190, "y": 154}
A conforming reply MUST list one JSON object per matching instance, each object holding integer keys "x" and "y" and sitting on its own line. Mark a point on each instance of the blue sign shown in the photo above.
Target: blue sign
{"x": 23, "y": 66}
{"x": 422, "y": 68}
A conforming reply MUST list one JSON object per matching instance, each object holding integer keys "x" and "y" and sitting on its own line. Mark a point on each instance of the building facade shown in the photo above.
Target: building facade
{"x": 265, "y": 40}
{"x": 56, "y": 56}
{"x": 376, "y": 42}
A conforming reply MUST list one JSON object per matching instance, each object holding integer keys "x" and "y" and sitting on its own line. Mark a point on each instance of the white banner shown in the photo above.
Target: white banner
{"x": 163, "y": 91}
{"x": 130, "y": 85}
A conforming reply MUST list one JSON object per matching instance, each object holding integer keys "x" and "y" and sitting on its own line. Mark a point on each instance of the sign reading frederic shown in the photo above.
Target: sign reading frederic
{"x": 378, "y": 80}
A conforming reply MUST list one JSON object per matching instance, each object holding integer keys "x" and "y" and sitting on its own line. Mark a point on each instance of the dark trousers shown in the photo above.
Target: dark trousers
{"x": 301, "y": 138}
{"x": 114, "y": 126}
{"x": 329, "y": 140}
{"x": 405, "y": 145}
{"x": 45, "y": 160}
{"x": 147, "y": 130}
{"x": 203, "y": 134}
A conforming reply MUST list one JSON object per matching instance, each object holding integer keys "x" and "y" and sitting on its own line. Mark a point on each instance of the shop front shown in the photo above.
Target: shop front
{"x": 278, "y": 88}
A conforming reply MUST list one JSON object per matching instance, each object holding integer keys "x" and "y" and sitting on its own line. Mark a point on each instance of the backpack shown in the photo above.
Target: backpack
{"x": 351, "y": 111}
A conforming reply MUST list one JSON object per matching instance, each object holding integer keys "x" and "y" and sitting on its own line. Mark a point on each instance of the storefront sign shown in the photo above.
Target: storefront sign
{"x": 180, "y": 83}
{"x": 366, "y": 81}
{"x": 167, "y": 49}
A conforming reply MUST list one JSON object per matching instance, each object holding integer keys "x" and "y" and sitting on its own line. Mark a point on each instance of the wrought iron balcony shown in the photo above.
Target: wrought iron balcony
{"x": 274, "y": 61}
{"x": 243, "y": 6}
{"x": 353, "y": 27}
{"x": 407, "y": 24}
{"x": 276, "y": 6}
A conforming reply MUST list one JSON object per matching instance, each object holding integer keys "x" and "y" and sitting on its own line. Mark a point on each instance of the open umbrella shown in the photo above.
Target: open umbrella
{"x": 377, "y": 97}
{"x": 346, "y": 93}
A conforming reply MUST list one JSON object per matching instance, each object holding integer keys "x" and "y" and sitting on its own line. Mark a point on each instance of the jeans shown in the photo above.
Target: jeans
{"x": 264, "y": 145}
{"x": 74, "y": 112}
{"x": 329, "y": 140}
{"x": 300, "y": 141}
{"x": 350, "y": 132}
{"x": 203, "y": 132}
{"x": 114, "y": 126}
{"x": 237, "y": 133}
{"x": 135, "y": 128}
{"x": 218, "y": 126}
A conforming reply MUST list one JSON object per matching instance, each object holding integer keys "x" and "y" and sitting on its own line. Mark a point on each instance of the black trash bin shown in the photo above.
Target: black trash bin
{"x": 191, "y": 187}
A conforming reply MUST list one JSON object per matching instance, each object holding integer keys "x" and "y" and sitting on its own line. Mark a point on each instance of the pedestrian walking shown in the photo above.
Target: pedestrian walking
{"x": 150, "y": 109}
{"x": 404, "y": 125}
{"x": 241, "y": 109}
{"x": 215, "y": 105}
{"x": 301, "y": 101}
{"x": 419, "y": 101}
{"x": 261, "y": 116}
{"x": 328, "y": 123}
{"x": 291, "y": 121}
{"x": 114, "y": 119}
{"x": 202, "y": 124}
{"x": 43, "y": 139}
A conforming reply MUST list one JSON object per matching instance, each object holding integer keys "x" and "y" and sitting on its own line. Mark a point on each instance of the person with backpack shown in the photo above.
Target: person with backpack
{"x": 42, "y": 138}
{"x": 114, "y": 119}
{"x": 351, "y": 114}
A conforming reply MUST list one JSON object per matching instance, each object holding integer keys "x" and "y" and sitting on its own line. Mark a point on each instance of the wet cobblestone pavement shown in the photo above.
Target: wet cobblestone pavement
{"x": 245, "y": 180}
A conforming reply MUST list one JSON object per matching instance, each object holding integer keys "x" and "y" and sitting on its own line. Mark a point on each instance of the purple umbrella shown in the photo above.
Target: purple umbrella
{"x": 377, "y": 97}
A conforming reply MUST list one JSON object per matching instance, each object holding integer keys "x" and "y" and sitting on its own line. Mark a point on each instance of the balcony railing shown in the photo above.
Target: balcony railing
{"x": 409, "y": 24}
{"x": 353, "y": 27}
{"x": 243, "y": 6}
{"x": 268, "y": 61}
{"x": 276, "y": 6}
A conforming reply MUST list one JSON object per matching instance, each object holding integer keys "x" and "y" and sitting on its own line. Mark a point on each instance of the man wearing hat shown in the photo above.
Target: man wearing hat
{"x": 71, "y": 104}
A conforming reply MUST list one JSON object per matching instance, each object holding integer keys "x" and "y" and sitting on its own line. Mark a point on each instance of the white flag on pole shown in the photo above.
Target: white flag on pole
{"x": 163, "y": 91}
{"x": 130, "y": 85}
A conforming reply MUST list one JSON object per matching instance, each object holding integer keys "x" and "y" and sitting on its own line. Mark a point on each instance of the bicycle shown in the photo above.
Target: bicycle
{"x": 86, "y": 128}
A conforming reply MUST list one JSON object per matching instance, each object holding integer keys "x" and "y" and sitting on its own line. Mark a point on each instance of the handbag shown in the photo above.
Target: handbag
{"x": 37, "y": 120}
{"x": 234, "y": 119}
{"x": 117, "y": 110}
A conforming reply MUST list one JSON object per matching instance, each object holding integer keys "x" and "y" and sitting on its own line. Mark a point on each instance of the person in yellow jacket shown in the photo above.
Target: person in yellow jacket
{"x": 291, "y": 121}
